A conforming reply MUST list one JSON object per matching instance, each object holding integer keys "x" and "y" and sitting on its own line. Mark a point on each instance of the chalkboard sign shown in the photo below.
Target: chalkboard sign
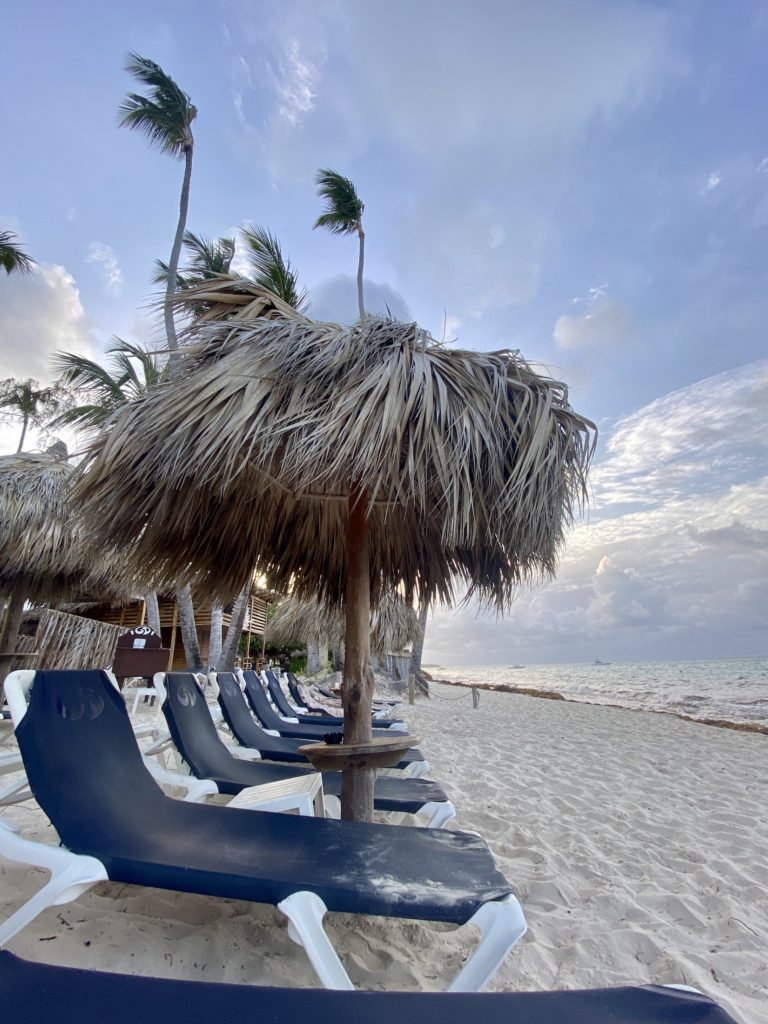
{"x": 140, "y": 653}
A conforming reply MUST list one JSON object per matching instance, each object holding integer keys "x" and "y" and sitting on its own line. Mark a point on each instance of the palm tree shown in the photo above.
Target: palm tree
{"x": 270, "y": 269}
{"x": 343, "y": 216}
{"x": 104, "y": 390}
{"x": 25, "y": 399}
{"x": 165, "y": 116}
{"x": 12, "y": 257}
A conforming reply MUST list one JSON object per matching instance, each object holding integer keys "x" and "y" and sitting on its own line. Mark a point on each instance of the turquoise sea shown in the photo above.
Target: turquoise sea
{"x": 730, "y": 689}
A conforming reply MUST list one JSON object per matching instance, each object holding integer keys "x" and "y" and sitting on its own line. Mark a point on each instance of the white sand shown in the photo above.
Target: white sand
{"x": 638, "y": 845}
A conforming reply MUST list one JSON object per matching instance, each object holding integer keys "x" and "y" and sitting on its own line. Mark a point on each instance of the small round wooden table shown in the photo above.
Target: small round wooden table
{"x": 380, "y": 752}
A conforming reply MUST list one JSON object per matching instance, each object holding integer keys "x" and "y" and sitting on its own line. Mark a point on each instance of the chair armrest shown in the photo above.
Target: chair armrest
{"x": 196, "y": 789}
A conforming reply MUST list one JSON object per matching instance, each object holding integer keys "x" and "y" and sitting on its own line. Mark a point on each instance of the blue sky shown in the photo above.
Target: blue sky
{"x": 586, "y": 182}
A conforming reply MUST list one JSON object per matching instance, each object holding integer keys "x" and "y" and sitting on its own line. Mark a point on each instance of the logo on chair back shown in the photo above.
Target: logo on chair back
{"x": 186, "y": 695}
{"x": 229, "y": 687}
{"x": 80, "y": 702}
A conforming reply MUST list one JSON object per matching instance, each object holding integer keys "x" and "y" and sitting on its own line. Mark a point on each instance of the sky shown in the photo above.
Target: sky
{"x": 587, "y": 183}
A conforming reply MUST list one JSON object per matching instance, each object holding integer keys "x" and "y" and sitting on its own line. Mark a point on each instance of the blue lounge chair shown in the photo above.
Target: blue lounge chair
{"x": 270, "y": 719}
{"x": 86, "y": 772}
{"x": 268, "y": 742}
{"x": 43, "y": 994}
{"x": 285, "y": 709}
{"x": 201, "y": 747}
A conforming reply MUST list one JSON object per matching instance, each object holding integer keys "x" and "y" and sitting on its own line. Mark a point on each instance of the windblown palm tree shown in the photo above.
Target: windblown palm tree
{"x": 26, "y": 400}
{"x": 134, "y": 371}
{"x": 165, "y": 116}
{"x": 13, "y": 259}
{"x": 343, "y": 216}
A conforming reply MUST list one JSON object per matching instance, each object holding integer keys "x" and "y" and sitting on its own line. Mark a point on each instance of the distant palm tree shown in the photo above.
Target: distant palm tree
{"x": 26, "y": 400}
{"x": 133, "y": 372}
{"x": 343, "y": 216}
{"x": 165, "y": 116}
{"x": 271, "y": 269}
{"x": 12, "y": 257}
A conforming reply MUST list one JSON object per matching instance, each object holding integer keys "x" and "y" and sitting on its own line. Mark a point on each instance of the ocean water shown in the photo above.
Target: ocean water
{"x": 733, "y": 689}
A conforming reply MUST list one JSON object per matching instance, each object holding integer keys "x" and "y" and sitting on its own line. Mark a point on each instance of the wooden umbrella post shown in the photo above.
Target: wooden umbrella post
{"x": 357, "y": 692}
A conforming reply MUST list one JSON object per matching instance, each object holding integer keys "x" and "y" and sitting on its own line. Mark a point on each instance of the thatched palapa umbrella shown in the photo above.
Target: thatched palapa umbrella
{"x": 393, "y": 626}
{"x": 341, "y": 461}
{"x": 44, "y": 551}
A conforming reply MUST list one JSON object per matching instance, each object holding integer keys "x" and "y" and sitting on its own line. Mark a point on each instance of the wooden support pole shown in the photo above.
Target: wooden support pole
{"x": 357, "y": 691}
{"x": 475, "y": 697}
{"x": 411, "y": 688}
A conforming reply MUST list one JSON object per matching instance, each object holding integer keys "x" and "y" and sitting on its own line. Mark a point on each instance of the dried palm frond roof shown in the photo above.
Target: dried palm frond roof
{"x": 394, "y": 623}
{"x": 471, "y": 464}
{"x": 43, "y": 547}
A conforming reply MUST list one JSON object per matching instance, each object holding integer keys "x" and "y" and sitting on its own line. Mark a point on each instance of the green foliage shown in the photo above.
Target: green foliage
{"x": 270, "y": 268}
{"x": 207, "y": 259}
{"x": 13, "y": 259}
{"x": 165, "y": 115}
{"x": 103, "y": 389}
{"x": 344, "y": 208}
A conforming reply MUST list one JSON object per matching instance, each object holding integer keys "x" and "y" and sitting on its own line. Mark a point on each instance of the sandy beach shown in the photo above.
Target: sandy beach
{"x": 637, "y": 843}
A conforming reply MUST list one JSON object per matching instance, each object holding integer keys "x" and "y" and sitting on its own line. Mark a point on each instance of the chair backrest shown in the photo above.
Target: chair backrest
{"x": 81, "y": 757}
{"x": 293, "y": 686}
{"x": 191, "y": 727}
{"x": 259, "y": 701}
{"x": 236, "y": 714}
{"x": 276, "y": 691}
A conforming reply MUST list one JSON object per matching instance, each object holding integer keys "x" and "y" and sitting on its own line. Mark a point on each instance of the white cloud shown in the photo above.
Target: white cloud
{"x": 673, "y": 560}
{"x": 335, "y": 299}
{"x": 712, "y": 182}
{"x": 606, "y": 323}
{"x": 111, "y": 271}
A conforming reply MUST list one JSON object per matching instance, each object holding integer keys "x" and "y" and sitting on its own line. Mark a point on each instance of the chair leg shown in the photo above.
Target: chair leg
{"x": 71, "y": 876}
{"x": 305, "y": 912}
{"x": 441, "y": 813}
{"x": 501, "y": 925}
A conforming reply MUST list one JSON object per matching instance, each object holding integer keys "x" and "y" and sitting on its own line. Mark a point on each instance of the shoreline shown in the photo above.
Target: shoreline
{"x": 532, "y": 691}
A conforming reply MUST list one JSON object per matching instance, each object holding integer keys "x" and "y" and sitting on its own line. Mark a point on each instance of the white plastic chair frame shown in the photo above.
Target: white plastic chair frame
{"x": 501, "y": 922}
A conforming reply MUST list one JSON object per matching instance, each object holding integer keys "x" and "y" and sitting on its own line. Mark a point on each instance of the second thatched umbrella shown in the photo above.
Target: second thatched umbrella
{"x": 394, "y": 623}
{"x": 342, "y": 461}
{"x": 44, "y": 552}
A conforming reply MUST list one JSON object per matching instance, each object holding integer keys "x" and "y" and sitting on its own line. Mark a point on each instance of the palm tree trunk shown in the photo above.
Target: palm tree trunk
{"x": 24, "y": 425}
{"x": 153, "y": 611}
{"x": 337, "y": 657}
{"x": 313, "y": 656}
{"x": 173, "y": 263}
{"x": 418, "y": 649}
{"x": 235, "y": 631}
{"x": 216, "y": 638}
{"x": 357, "y": 691}
{"x": 188, "y": 628}
{"x": 360, "y": 261}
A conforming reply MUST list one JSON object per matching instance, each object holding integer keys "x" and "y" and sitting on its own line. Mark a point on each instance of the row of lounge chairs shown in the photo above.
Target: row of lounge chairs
{"x": 87, "y": 772}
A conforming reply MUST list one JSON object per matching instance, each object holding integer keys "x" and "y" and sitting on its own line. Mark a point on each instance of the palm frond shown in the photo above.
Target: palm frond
{"x": 394, "y": 623}
{"x": 344, "y": 208}
{"x": 12, "y": 256}
{"x": 270, "y": 268}
{"x": 165, "y": 116}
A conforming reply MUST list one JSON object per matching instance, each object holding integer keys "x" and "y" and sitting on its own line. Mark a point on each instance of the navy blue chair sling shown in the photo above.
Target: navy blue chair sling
{"x": 269, "y": 718}
{"x": 43, "y": 994}
{"x": 86, "y": 772}
{"x": 282, "y": 705}
{"x": 197, "y": 740}
{"x": 251, "y": 734}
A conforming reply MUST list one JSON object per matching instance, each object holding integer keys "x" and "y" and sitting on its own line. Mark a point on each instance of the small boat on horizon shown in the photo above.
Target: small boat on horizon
{"x": 598, "y": 662}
